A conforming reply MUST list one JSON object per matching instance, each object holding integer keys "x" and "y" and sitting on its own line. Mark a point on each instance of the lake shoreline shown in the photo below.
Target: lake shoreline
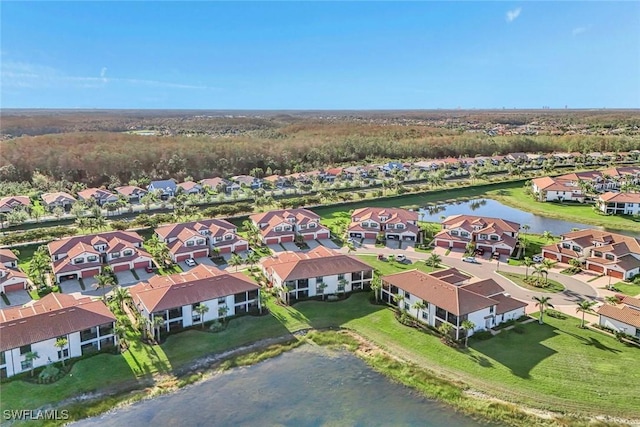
{"x": 437, "y": 386}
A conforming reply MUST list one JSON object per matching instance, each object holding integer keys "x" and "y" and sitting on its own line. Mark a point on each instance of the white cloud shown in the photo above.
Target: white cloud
{"x": 35, "y": 76}
{"x": 513, "y": 14}
{"x": 578, "y": 30}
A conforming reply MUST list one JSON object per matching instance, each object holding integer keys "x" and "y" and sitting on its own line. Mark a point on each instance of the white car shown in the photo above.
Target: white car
{"x": 537, "y": 258}
{"x": 400, "y": 258}
{"x": 470, "y": 259}
{"x": 190, "y": 262}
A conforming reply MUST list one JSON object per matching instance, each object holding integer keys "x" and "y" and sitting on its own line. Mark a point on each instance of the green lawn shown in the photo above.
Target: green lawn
{"x": 627, "y": 288}
{"x": 552, "y": 285}
{"x": 563, "y": 368}
{"x": 391, "y": 267}
{"x": 535, "y": 242}
{"x": 515, "y": 196}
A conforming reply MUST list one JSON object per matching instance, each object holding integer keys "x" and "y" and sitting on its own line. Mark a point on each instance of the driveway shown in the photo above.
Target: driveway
{"x": 73, "y": 286}
{"x": 328, "y": 243}
{"x": 276, "y": 248}
{"x": 312, "y": 244}
{"x": 290, "y": 246}
{"x": 126, "y": 278}
{"x": 393, "y": 244}
{"x": 16, "y": 298}
{"x": 203, "y": 260}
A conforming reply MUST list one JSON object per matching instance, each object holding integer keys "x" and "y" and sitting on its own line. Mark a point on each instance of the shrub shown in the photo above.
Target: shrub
{"x": 555, "y": 314}
{"x": 482, "y": 335}
{"x": 518, "y": 329}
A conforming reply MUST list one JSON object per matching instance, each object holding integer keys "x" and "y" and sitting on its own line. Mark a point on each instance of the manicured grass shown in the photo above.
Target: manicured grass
{"x": 164, "y": 271}
{"x": 516, "y": 197}
{"x": 86, "y": 375}
{"x": 391, "y": 267}
{"x": 627, "y": 288}
{"x": 552, "y": 285}
{"x": 535, "y": 242}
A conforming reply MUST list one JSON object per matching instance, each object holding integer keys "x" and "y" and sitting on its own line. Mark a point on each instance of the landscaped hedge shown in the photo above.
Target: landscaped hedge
{"x": 38, "y": 234}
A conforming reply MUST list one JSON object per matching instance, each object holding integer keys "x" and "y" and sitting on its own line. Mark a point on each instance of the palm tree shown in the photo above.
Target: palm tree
{"x": 433, "y": 261}
{"x": 236, "y": 261}
{"x": 585, "y": 306}
{"x": 612, "y": 299}
{"x": 61, "y": 343}
{"x": 222, "y": 312}
{"x": 158, "y": 322}
{"x": 528, "y": 262}
{"x": 539, "y": 271}
{"x": 121, "y": 296}
{"x": 417, "y": 306}
{"x": 342, "y": 285}
{"x": 445, "y": 329}
{"x": 252, "y": 259}
{"x": 29, "y": 357}
{"x": 542, "y": 302}
{"x": 547, "y": 235}
{"x": 376, "y": 286}
{"x": 202, "y": 309}
{"x": 467, "y": 325}
{"x": 120, "y": 331}
{"x": 399, "y": 299}
{"x": 102, "y": 281}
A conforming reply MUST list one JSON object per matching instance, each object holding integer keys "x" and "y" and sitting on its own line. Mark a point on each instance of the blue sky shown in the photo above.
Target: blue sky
{"x": 320, "y": 55}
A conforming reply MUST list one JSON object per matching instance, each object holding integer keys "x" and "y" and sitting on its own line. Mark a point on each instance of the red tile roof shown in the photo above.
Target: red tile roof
{"x": 7, "y": 256}
{"x": 621, "y": 313}
{"x": 52, "y": 316}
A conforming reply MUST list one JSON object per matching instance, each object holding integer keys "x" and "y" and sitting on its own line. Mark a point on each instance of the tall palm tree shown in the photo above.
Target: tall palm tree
{"x": 399, "y": 299}
{"x": 342, "y": 285}
{"x": 445, "y": 329}
{"x": 547, "y": 235}
{"x": 120, "y": 331}
{"x": 527, "y": 262}
{"x": 236, "y": 261}
{"x": 376, "y": 286}
{"x": 158, "y": 322}
{"x": 252, "y": 259}
{"x": 585, "y": 306}
{"x": 417, "y": 306}
{"x": 612, "y": 299}
{"x": 542, "y": 303}
{"x": 467, "y": 325}
{"x": 222, "y": 312}
{"x": 121, "y": 296}
{"x": 61, "y": 343}
{"x": 540, "y": 271}
{"x": 102, "y": 282}
{"x": 202, "y": 309}
{"x": 29, "y": 357}
{"x": 433, "y": 261}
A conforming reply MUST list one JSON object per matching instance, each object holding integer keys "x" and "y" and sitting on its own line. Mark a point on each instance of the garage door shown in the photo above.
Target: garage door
{"x": 550, "y": 255}
{"x": 614, "y": 273}
{"x": 442, "y": 243}
{"x": 271, "y": 241}
{"x": 90, "y": 273}
{"x": 594, "y": 267}
{"x": 504, "y": 251}
{"x": 141, "y": 264}
{"x": 224, "y": 249}
{"x": 121, "y": 267}
{"x": 284, "y": 239}
{"x": 460, "y": 245}
{"x": 324, "y": 235}
{"x": 14, "y": 287}
{"x": 358, "y": 235}
{"x": 200, "y": 254}
{"x": 566, "y": 259}
{"x": 182, "y": 257}
{"x": 306, "y": 237}
{"x": 242, "y": 247}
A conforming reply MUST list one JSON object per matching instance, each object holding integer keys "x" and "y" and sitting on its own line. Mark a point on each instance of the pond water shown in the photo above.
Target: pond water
{"x": 308, "y": 386}
{"x": 492, "y": 208}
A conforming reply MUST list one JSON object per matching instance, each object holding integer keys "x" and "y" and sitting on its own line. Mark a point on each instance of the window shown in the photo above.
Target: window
{"x": 407, "y": 295}
{"x": 483, "y": 237}
{"x": 175, "y": 313}
{"x": 610, "y": 257}
{"x": 278, "y": 229}
{"x": 106, "y": 329}
{"x": 312, "y": 225}
{"x": 491, "y": 309}
{"x": 494, "y": 237}
{"x": 88, "y": 334}
{"x": 400, "y": 226}
{"x": 200, "y": 241}
{"x": 566, "y": 245}
{"x": 577, "y": 248}
{"x": 320, "y": 279}
{"x": 425, "y": 315}
{"x": 406, "y": 306}
{"x": 78, "y": 260}
{"x": 222, "y": 300}
{"x": 341, "y": 276}
{"x": 26, "y": 364}
{"x": 454, "y": 232}
{"x": 2, "y": 358}
{"x": 115, "y": 255}
{"x": 597, "y": 254}
{"x": 25, "y": 349}
{"x": 464, "y": 234}
{"x": 228, "y": 237}
{"x": 92, "y": 258}
{"x": 64, "y": 354}
{"x": 128, "y": 252}
{"x": 190, "y": 243}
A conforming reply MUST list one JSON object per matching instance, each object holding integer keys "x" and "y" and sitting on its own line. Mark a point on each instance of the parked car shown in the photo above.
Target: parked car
{"x": 479, "y": 251}
{"x": 190, "y": 262}
{"x": 537, "y": 258}
{"x": 148, "y": 269}
{"x": 495, "y": 255}
{"x": 470, "y": 259}
{"x": 400, "y": 258}
{"x": 381, "y": 257}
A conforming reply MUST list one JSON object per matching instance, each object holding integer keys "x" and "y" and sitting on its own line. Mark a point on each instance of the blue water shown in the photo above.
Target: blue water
{"x": 308, "y": 386}
{"x": 492, "y": 208}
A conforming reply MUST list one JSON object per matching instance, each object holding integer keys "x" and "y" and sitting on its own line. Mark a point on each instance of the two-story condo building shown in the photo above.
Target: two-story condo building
{"x": 175, "y": 297}
{"x": 549, "y": 189}
{"x": 320, "y": 271}
{"x": 8, "y": 204}
{"x": 11, "y": 278}
{"x": 449, "y": 298}
{"x": 491, "y": 234}
{"x": 283, "y": 225}
{"x": 84, "y": 256}
{"x": 623, "y": 317}
{"x": 100, "y": 195}
{"x": 197, "y": 239}
{"x": 132, "y": 193}
{"x": 619, "y": 203}
{"x": 395, "y": 223}
{"x": 58, "y": 200}
{"x": 86, "y": 324}
{"x": 604, "y": 252}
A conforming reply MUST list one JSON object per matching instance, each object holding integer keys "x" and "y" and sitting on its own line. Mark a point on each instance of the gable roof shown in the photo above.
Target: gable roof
{"x": 202, "y": 283}
{"x": 52, "y": 316}
{"x": 217, "y": 227}
{"x": 63, "y": 246}
{"x": 13, "y": 201}
{"x": 7, "y": 256}
{"x": 96, "y": 193}
{"x": 128, "y": 190}
{"x": 50, "y": 198}
{"x": 621, "y": 313}
{"x": 486, "y": 287}
{"x": 620, "y": 197}
{"x": 483, "y": 222}
{"x": 167, "y": 184}
{"x": 392, "y": 214}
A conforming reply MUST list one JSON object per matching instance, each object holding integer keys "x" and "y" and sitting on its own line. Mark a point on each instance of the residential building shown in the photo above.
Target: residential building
{"x": 282, "y": 226}
{"x": 549, "y": 189}
{"x": 483, "y": 302}
{"x": 394, "y": 223}
{"x": 619, "y": 203}
{"x": 220, "y": 185}
{"x": 175, "y": 297}
{"x": 491, "y": 234}
{"x": 601, "y": 251}
{"x": 320, "y": 271}
{"x": 86, "y": 324}
{"x": 165, "y": 188}
{"x": 247, "y": 181}
{"x": 190, "y": 187}
{"x": 276, "y": 181}
{"x": 197, "y": 239}
{"x": 131, "y": 192}
{"x": 99, "y": 195}
{"x": 623, "y": 317}
{"x": 58, "y": 200}
{"x": 11, "y": 278}
{"x": 84, "y": 256}
{"x": 7, "y": 204}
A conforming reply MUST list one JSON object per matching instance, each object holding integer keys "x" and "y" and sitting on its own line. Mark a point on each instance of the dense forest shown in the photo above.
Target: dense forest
{"x": 279, "y": 143}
